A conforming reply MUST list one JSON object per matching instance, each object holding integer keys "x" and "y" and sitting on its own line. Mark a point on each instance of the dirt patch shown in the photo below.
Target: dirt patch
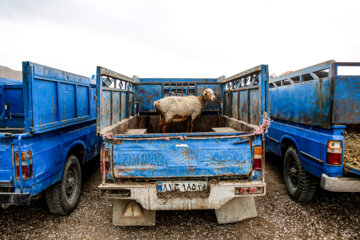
{"x": 328, "y": 216}
{"x": 352, "y": 149}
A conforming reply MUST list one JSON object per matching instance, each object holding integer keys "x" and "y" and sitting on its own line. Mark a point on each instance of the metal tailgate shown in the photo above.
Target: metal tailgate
{"x": 182, "y": 158}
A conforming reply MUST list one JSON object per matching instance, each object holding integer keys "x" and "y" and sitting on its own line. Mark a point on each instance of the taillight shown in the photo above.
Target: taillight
{"x": 106, "y": 163}
{"x": 334, "y": 153}
{"x": 26, "y": 165}
{"x": 257, "y": 158}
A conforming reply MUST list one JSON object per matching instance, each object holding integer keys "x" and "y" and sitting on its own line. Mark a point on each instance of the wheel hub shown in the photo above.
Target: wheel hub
{"x": 70, "y": 183}
{"x": 293, "y": 173}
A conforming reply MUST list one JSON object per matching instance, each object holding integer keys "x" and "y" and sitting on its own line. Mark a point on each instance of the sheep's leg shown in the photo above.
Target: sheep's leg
{"x": 168, "y": 118}
{"x": 188, "y": 124}
{"x": 164, "y": 128}
{"x": 192, "y": 118}
{"x": 161, "y": 124}
{"x": 191, "y": 125}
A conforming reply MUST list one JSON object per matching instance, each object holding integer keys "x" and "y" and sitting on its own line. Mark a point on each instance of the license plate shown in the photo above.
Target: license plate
{"x": 186, "y": 186}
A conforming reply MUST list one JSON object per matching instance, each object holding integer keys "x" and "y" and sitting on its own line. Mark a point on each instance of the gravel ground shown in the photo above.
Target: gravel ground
{"x": 328, "y": 216}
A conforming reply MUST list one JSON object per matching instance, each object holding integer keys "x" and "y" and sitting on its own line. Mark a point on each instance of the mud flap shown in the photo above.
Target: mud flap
{"x": 130, "y": 213}
{"x": 235, "y": 210}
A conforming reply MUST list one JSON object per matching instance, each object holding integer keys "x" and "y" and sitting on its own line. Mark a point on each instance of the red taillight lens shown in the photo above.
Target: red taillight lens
{"x": 106, "y": 164}
{"x": 26, "y": 165}
{"x": 334, "y": 153}
{"x": 257, "y": 158}
{"x": 333, "y": 158}
{"x": 27, "y": 171}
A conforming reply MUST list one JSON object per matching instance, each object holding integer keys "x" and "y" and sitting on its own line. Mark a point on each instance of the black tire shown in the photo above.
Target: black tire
{"x": 63, "y": 196}
{"x": 300, "y": 185}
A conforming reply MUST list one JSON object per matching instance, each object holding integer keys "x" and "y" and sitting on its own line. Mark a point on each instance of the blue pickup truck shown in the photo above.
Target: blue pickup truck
{"x": 218, "y": 166}
{"x": 47, "y": 131}
{"x": 312, "y": 109}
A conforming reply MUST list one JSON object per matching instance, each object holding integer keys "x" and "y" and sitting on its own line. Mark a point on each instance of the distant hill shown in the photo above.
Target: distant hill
{"x": 6, "y": 72}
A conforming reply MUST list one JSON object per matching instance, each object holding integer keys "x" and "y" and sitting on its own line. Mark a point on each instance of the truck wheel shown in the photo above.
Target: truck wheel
{"x": 300, "y": 185}
{"x": 63, "y": 196}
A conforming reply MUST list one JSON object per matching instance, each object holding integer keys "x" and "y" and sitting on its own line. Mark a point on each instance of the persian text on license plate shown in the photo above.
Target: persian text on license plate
{"x": 186, "y": 186}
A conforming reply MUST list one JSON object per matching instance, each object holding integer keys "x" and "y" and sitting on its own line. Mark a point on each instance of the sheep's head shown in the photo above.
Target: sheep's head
{"x": 208, "y": 94}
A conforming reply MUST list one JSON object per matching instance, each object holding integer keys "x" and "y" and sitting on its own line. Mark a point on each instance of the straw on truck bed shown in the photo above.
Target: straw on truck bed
{"x": 352, "y": 150}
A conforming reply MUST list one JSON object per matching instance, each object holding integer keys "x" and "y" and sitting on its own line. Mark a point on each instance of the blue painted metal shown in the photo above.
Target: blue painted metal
{"x": 245, "y": 95}
{"x": 176, "y": 80}
{"x": 319, "y": 97}
{"x": 114, "y": 91}
{"x": 48, "y": 131}
{"x": 150, "y": 90}
{"x": 162, "y": 158}
{"x": 55, "y": 98}
{"x": 180, "y": 155}
{"x": 11, "y": 105}
{"x": 8, "y": 81}
{"x": 309, "y": 140}
{"x": 310, "y": 107}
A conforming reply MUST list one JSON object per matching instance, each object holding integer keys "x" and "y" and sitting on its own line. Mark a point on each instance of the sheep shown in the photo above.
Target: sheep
{"x": 179, "y": 109}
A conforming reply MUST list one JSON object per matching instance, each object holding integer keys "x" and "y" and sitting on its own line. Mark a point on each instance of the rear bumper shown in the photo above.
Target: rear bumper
{"x": 147, "y": 196}
{"x": 340, "y": 184}
{"x": 14, "y": 198}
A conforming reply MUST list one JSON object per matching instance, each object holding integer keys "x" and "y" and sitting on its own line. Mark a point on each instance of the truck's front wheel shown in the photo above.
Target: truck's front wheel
{"x": 300, "y": 185}
{"x": 63, "y": 196}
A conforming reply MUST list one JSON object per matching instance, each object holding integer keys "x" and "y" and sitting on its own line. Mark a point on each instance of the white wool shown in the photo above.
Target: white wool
{"x": 176, "y": 109}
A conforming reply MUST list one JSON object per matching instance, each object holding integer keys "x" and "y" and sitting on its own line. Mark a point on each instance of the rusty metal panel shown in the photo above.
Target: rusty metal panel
{"x": 123, "y": 105}
{"x": 247, "y": 93}
{"x": 255, "y": 103}
{"x": 346, "y": 100}
{"x": 234, "y": 105}
{"x": 147, "y": 94}
{"x": 131, "y": 103}
{"x": 304, "y": 96}
{"x": 244, "y": 106}
{"x": 182, "y": 158}
{"x": 306, "y": 102}
{"x": 115, "y": 107}
{"x": 105, "y": 109}
{"x": 113, "y": 97}
{"x": 317, "y": 95}
{"x": 227, "y": 110}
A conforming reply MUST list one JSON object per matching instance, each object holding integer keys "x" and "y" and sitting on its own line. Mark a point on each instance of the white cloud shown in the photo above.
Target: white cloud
{"x": 177, "y": 38}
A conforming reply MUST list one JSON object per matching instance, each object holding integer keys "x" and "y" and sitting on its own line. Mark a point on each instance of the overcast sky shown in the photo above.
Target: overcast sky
{"x": 177, "y": 38}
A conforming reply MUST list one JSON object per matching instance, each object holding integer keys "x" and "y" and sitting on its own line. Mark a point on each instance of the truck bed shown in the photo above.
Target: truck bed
{"x": 125, "y": 105}
{"x": 203, "y": 153}
{"x": 206, "y": 123}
